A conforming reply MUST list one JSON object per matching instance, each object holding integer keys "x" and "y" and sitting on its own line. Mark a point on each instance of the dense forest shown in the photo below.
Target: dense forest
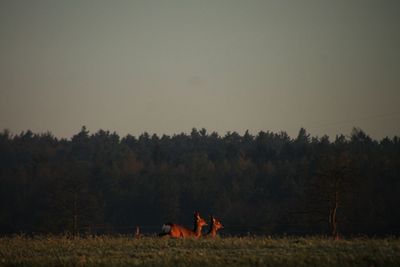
{"x": 269, "y": 183}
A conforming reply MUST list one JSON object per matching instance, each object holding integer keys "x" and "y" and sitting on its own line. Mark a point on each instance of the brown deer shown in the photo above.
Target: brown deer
{"x": 215, "y": 225}
{"x": 179, "y": 231}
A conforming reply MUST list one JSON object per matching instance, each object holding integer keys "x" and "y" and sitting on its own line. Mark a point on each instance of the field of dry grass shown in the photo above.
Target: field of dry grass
{"x": 232, "y": 251}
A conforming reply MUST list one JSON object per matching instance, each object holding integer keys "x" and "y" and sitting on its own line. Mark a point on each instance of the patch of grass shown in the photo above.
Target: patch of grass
{"x": 232, "y": 251}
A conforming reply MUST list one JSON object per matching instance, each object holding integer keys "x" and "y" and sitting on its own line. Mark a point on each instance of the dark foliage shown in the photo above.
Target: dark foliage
{"x": 263, "y": 184}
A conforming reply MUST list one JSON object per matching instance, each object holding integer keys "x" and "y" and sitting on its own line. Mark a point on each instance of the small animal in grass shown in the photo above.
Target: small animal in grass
{"x": 215, "y": 225}
{"x": 179, "y": 231}
{"x": 137, "y": 232}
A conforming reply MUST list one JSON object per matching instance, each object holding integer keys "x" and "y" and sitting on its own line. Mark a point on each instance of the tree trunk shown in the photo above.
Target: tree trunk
{"x": 333, "y": 217}
{"x": 75, "y": 214}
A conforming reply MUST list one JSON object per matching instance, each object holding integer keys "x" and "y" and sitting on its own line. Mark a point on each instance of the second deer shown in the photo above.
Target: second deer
{"x": 215, "y": 225}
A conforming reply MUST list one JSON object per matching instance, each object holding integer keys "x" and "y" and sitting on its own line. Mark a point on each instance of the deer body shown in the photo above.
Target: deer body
{"x": 179, "y": 231}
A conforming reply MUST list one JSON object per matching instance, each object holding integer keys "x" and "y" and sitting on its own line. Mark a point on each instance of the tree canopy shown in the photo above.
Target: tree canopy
{"x": 269, "y": 183}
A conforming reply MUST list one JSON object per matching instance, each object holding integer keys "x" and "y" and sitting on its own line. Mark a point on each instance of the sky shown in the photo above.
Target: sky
{"x": 167, "y": 66}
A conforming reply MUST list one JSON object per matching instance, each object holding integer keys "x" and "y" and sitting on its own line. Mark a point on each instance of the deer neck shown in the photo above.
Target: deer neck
{"x": 213, "y": 231}
{"x": 197, "y": 230}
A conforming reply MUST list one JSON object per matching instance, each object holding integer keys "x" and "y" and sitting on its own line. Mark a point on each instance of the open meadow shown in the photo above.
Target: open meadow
{"x": 230, "y": 251}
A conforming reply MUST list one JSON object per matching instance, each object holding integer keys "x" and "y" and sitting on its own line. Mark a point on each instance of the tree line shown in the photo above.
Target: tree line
{"x": 268, "y": 183}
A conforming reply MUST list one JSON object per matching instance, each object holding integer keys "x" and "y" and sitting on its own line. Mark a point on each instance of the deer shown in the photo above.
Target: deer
{"x": 179, "y": 231}
{"x": 215, "y": 225}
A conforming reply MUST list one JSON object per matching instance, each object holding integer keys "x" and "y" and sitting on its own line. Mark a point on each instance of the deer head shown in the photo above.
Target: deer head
{"x": 216, "y": 224}
{"x": 200, "y": 222}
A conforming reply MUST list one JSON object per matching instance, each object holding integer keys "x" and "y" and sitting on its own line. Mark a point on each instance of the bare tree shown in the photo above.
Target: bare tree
{"x": 329, "y": 191}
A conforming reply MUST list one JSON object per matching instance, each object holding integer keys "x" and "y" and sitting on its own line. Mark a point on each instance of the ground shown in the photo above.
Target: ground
{"x": 231, "y": 251}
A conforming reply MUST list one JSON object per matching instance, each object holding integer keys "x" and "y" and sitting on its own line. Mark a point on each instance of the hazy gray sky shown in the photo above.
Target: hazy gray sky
{"x": 168, "y": 66}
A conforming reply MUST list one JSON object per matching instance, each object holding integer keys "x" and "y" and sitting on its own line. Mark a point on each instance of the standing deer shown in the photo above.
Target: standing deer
{"x": 179, "y": 231}
{"x": 215, "y": 225}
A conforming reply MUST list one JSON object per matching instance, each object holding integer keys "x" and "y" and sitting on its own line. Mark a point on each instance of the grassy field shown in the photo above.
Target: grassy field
{"x": 153, "y": 251}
